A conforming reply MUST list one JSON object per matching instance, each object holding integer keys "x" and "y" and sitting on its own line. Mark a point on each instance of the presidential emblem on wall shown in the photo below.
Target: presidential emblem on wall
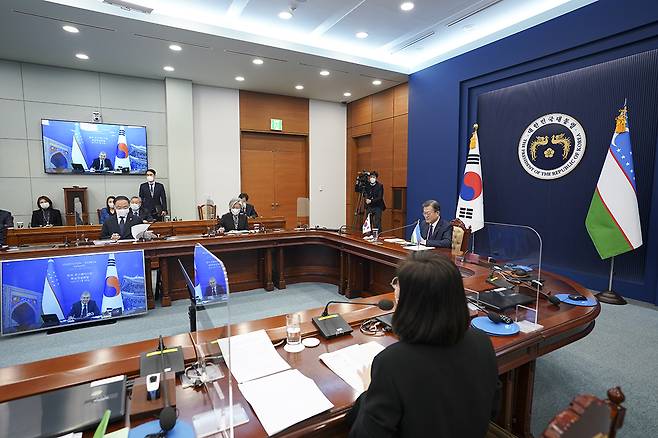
{"x": 552, "y": 146}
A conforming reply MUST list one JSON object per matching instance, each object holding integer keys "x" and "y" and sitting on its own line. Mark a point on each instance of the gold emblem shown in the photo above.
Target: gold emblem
{"x": 565, "y": 142}
{"x": 558, "y": 140}
{"x": 539, "y": 141}
{"x": 548, "y": 153}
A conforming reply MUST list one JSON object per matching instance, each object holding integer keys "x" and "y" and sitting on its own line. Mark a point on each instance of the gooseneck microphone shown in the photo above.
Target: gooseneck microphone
{"x": 332, "y": 325}
{"x": 382, "y": 304}
{"x": 497, "y": 318}
{"x": 168, "y": 413}
{"x": 413, "y": 224}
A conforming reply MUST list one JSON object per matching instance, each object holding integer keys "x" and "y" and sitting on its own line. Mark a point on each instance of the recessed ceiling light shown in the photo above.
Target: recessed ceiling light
{"x": 347, "y": 94}
{"x": 376, "y": 82}
{"x": 258, "y": 61}
{"x": 468, "y": 28}
{"x": 175, "y": 47}
{"x": 82, "y": 56}
{"x": 299, "y": 87}
{"x": 70, "y": 29}
{"x": 239, "y": 78}
{"x": 285, "y": 15}
{"x": 362, "y": 35}
{"x": 168, "y": 68}
{"x": 324, "y": 73}
{"x": 407, "y": 6}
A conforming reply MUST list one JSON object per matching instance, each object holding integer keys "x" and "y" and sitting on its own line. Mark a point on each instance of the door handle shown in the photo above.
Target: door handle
{"x": 272, "y": 204}
{"x": 277, "y": 204}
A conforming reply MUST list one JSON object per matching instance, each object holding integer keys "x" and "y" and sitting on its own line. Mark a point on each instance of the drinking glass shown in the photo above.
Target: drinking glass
{"x": 293, "y": 329}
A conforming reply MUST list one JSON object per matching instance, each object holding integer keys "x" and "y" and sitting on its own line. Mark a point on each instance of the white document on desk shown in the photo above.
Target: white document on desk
{"x": 252, "y": 356}
{"x": 284, "y": 399}
{"x": 348, "y": 361}
{"x": 418, "y": 247}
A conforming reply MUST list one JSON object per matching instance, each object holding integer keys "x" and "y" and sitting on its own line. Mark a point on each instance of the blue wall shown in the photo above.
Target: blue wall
{"x": 443, "y": 106}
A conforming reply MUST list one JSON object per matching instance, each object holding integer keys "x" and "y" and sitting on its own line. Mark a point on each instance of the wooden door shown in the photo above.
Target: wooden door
{"x": 275, "y": 168}
{"x": 363, "y": 161}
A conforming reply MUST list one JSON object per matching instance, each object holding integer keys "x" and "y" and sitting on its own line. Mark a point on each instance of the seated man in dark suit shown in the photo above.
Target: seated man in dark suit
{"x": 137, "y": 209}
{"x": 119, "y": 226}
{"x": 235, "y": 219}
{"x": 6, "y": 221}
{"x": 435, "y": 231}
{"x": 213, "y": 289}
{"x": 102, "y": 163}
{"x": 247, "y": 208}
{"x": 84, "y": 308}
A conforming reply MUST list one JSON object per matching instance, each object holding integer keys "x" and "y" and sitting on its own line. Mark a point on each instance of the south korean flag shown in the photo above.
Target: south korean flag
{"x": 470, "y": 207}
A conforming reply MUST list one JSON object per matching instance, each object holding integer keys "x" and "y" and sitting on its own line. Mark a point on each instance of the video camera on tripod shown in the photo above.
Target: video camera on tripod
{"x": 362, "y": 183}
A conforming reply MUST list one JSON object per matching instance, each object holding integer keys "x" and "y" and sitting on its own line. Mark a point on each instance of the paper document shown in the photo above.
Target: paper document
{"x": 252, "y": 356}
{"x": 139, "y": 230}
{"x": 284, "y": 399}
{"x": 121, "y": 433}
{"x": 347, "y": 362}
{"x": 397, "y": 240}
{"x": 418, "y": 247}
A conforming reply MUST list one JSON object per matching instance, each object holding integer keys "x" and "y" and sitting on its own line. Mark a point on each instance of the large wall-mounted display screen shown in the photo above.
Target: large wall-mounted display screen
{"x": 93, "y": 148}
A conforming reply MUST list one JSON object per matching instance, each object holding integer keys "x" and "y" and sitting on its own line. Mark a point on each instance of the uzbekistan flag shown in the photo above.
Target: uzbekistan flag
{"x": 613, "y": 219}
{"x": 51, "y": 289}
{"x": 470, "y": 207}
{"x": 122, "y": 159}
{"x": 112, "y": 298}
{"x": 78, "y": 151}
{"x": 415, "y": 234}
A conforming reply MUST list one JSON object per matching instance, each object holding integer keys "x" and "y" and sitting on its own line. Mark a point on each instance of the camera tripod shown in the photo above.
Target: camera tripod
{"x": 359, "y": 211}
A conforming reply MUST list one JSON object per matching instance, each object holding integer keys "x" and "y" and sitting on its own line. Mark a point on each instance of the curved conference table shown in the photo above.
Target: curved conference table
{"x": 275, "y": 259}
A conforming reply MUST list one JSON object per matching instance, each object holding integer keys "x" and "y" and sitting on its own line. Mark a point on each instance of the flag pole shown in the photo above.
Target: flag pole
{"x": 609, "y": 296}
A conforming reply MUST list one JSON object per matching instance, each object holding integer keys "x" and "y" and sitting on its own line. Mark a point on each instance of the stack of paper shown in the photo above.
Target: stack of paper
{"x": 284, "y": 399}
{"x": 348, "y": 361}
{"x": 251, "y": 356}
{"x": 397, "y": 240}
{"x": 418, "y": 247}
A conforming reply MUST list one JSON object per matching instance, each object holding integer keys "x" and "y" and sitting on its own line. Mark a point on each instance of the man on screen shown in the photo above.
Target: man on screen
{"x": 85, "y": 308}
{"x": 102, "y": 163}
{"x": 213, "y": 289}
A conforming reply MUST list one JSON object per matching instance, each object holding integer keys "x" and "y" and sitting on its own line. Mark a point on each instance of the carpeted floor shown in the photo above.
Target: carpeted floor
{"x": 621, "y": 350}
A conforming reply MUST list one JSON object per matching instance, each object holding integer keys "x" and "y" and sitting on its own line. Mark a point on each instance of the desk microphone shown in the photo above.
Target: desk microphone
{"x": 551, "y": 298}
{"x": 168, "y": 413}
{"x": 332, "y": 325}
{"x": 493, "y": 316}
{"x": 413, "y": 224}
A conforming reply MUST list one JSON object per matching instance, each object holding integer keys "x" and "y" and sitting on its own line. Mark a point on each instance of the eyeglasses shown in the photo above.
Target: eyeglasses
{"x": 395, "y": 282}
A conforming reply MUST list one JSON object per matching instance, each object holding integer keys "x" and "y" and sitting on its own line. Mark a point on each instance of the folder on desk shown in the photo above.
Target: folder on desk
{"x": 348, "y": 361}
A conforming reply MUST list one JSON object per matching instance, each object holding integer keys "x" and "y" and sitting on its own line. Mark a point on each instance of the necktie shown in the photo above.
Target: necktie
{"x": 84, "y": 310}
{"x": 235, "y": 222}
{"x": 151, "y": 189}
{"x": 122, "y": 223}
{"x": 429, "y": 232}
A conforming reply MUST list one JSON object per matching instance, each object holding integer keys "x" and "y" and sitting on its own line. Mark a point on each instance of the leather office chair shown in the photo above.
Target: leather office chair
{"x": 98, "y": 213}
{"x": 586, "y": 416}
{"x": 207, "y": 211}
{"x": 460, "y": 236}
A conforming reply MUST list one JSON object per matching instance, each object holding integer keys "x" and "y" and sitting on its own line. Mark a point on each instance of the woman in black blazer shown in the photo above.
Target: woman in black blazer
{"x": 235, "y": 219}
{"x": 441, "y": 379}
{"x": 45, "y": 215}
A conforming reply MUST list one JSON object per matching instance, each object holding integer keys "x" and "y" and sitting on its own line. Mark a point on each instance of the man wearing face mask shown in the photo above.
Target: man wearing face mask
{"x": 102, "y": 163}
{"x": 153, "y": 196}
{"x": 6, "y": 221}
{"x": 119, "y": 226}
{"x": 235, "y": 219}
{"x": 374, "y": 197}
{"x": 138, "y": 210}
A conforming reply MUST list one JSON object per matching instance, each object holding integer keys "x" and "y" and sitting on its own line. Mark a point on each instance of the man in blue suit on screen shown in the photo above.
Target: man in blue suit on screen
{"x": 435, "y": 231}
{"x": 85, "y": 308}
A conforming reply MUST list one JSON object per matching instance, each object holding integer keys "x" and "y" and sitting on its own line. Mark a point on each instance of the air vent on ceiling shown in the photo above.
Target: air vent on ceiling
{"x": 412, "y": 41}
{"x": 62, "y": 20}
{"x": 470, "y": 14}
{"x": 252, "y": 55}
{"x": 172, "y": 41}
{"x": 129, "y": 6}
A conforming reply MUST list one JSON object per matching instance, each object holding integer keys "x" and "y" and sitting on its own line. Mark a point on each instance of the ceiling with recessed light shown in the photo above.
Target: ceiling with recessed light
{"x": 359, "y": 42}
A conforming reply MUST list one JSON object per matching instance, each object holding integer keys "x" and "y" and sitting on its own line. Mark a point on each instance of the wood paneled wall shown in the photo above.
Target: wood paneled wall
{"x": 256, "y": 110}
{"x": 377, "y": 140}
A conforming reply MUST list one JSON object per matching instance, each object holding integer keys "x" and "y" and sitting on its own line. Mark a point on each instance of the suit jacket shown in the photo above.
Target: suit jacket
{"x": 250, "y": 211}
{"x": 111, "y": 226}
{"x": 227, "y": 223}
{"x": 38, "y": 219}
{"x": 376, "y": 194}
{"x": 105, "y": 215}
{"x": 96, "y": 164}
{"x": 6, "y": 221}
{"x": 219, "y": 290}
{"x": 422, "y": 390}
{"x": 441, "y": 234}
{"x": 155, "y": 204}
{"x": 142, "y": 215}
{"x": 76, "y": 309}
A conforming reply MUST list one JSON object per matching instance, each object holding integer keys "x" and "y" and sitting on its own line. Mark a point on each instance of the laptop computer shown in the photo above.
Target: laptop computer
{"x": 504, "y": 299}
{"x": 58, "y": 412}
{"x": 78, "y": 168}
{"x": 49, "y": 320}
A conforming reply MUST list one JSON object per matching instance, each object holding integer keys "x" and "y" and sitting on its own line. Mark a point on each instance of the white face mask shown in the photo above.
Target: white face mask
{"x": 110, "y": 204}
{"x": 44, "y": 205}
{"x": 235, "y": 211}
{"x": 373, "y": 180}
{"x": 135, "y": 207}
{"x": 150, "y": 178}
{"x": 122, "y": 212}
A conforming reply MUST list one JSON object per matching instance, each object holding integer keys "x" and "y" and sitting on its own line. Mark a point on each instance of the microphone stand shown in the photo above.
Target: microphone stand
{"x": 397, "y": 228}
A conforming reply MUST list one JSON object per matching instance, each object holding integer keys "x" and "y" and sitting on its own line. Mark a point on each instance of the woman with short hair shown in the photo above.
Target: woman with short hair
{"x": 45, "y": 215}
{"x": 441, "y": 378}
{"x": 235, "y": 219}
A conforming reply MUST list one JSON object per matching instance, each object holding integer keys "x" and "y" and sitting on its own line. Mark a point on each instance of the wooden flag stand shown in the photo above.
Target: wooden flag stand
{"x": 609, "y": 296}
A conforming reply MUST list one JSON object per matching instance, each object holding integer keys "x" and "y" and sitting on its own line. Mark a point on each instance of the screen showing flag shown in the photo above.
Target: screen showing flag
{"x": 210, "y": 279}
{"x": 91, "y": 148}
{"x": 46, "y": 292}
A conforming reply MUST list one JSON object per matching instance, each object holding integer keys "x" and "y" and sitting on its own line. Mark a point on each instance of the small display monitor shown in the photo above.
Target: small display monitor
{"x": 46, "y": 292}
{"x": 210, "y": 279}
{"x": 93, "y": 148}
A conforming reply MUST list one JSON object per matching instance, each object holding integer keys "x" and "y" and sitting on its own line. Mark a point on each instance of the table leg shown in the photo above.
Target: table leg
{"x": 269, "y": 284}
{"x": 341, "y": 279}
{"x": 164, "y": 275}
{"x": 281, "y": 264}
{"x": 348, "y": 276}
{"x": 150, "y": 296}
{"x": 523, "y": 389}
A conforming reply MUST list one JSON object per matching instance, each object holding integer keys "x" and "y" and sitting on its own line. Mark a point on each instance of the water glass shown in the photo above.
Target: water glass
{"x": 293, "y": 329}
{"x": 375, "y": 234}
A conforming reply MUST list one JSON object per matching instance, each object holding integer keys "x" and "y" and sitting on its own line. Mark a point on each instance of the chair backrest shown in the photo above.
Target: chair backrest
{"x": 207, "y": 211}
{"x": 460, "y": 236}
{"x": 98, "y": 212}
{"x": 589, "y": 416}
